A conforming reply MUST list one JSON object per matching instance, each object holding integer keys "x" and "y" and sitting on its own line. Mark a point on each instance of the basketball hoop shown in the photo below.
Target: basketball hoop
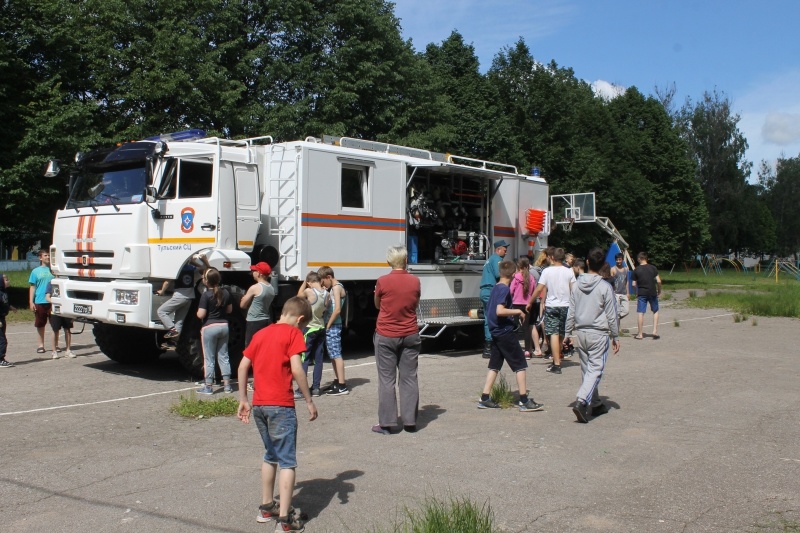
{"x": 566, "y": 224}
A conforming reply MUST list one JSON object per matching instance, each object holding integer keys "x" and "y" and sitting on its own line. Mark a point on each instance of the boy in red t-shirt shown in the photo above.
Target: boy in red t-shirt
{"x": 274, "y": 353}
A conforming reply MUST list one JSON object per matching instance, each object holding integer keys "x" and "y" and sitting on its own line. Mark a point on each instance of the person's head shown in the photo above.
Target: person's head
{"x": 261, "y": 270}
{"x": 595, "y": 259}
{"x": 501, "y": 247}
{"x": 605, "y": 271}
{"x": 44, "y": 257}
{"x": 296, "y": 312}
{"x": 507, "y": 269}
{"x": 549, "y": 251}
{"x": 397, "y": 257}
{"x": 3, "y": 282}
{"x": 569, "y": 259}
{"x": 642, "y": 258}
{"x": 578, "y": 266}
{"x": 212, "y": 278}
{"x": 619, "y": 259}
{"x": 558, "y": 256}
{"x": 312, "y": 278}
{"x": 541, "y": 259}
{"x": 523, "y": 263}
{"x": 326, "y": 276}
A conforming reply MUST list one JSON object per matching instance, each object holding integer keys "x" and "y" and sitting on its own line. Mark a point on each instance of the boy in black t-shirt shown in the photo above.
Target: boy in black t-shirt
{"x": 505, "y": 346}
{"x": 647, "y": 285}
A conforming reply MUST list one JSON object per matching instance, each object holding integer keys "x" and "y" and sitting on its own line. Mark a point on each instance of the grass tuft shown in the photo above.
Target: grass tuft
{"x": 501, "y": 392}
{"x": 676, "y": 323}
{"x": 192, "y": 407}
{"x": 692, "y": 294}
{"x": 454, "y": 515}
{"x": 737, "y": 317}
{"x": 754, "y": 321}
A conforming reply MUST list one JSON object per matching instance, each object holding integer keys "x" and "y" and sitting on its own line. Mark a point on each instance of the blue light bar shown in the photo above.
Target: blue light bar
{"x": 186, "y": 135}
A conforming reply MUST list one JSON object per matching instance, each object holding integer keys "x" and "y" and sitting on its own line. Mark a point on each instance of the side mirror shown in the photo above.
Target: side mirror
{"x": 150, "y": 194}
{"x": 52, "y": 168}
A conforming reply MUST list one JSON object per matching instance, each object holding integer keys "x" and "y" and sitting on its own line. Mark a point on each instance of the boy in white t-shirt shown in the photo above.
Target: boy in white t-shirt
{"x": 556, "y": 282}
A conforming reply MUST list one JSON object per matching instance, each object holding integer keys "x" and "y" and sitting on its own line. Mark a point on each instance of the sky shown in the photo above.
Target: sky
{"x": 746, "y": 50}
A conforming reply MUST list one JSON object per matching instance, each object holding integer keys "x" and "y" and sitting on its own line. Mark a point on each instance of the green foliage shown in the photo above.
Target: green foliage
{"x": 191, "y": 407}
{"x": 501, "y": 392}
{"x": 781, "y": 195}
{"x": 454, "y": 515}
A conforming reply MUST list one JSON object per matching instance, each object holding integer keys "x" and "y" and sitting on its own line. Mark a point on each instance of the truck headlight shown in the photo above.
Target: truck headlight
{"x": 127, "y": 297}
{"x": 56, "y": 291}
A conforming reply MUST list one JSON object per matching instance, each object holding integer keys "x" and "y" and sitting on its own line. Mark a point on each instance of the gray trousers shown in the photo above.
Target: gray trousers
{"x": 592, "y": 348}
{"x": 393, "y": 356}
{"x": 178, "y": 305}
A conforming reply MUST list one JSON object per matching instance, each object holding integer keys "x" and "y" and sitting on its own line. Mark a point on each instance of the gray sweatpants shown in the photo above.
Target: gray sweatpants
{"x": 592, "y": 348}
{"x": 177, "y": 305}
{"x": 397, "y": 356}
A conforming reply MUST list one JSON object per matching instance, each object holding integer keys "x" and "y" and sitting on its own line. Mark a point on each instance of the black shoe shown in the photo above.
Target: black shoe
{"x": 554, "y": 369}
{"x": 337, "y": 390}
{"x": 410, "y": 429}
{"x": 487, "y": 350}
{"x": 316, "y": 392}
{"x": 582, "y": 412}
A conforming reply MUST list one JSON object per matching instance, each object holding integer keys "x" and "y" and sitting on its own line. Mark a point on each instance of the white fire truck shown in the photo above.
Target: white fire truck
{"x": 138, "y": 212}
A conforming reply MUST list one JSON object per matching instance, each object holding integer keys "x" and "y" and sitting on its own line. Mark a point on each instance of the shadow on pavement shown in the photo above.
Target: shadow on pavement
{"x": 314, "y": 495}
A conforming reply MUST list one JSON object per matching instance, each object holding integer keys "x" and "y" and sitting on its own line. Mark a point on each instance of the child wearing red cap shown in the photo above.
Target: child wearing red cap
{"x": 257, "y": 301}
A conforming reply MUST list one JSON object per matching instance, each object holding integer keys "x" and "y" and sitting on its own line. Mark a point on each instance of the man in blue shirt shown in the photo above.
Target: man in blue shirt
{"x": 37, "y": 296}
{"x": 489, "y": 278}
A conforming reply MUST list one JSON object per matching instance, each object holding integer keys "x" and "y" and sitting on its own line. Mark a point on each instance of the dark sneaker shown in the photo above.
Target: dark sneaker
{"x": 205, "y": 390}
{"x": 554, "y": 369}
{"x": 268, "y": 512}
{"x": 316, "y": 392}
{"x": 582, "y": 412}
{"x": 298, "y": 395}
{"x": 487, "y": 350}
{"x": 5, "y": 364}
{"x": 530, "y": 406}
{"x": 337, "y": 390}
{"x": 171, "y": 334}
{"x": 289, "y": 524}
{"x": 548, "y": 357}
{"x": 488, "y": 404}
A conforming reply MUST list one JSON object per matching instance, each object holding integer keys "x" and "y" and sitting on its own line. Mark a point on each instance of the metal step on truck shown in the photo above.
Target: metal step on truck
{"x": 138, "y": 212}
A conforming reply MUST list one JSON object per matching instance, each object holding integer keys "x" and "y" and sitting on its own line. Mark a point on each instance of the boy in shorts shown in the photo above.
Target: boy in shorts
{"x": 57, "y": 323}
{"x": 333, "y": 328}
{"x": 647, "y": 283}
{"x": 274, "y": 353}
{"x": 505, "y": 345}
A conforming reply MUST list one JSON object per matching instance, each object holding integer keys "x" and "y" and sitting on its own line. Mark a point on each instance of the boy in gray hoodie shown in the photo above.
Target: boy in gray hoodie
{"x": 592, "y": 321}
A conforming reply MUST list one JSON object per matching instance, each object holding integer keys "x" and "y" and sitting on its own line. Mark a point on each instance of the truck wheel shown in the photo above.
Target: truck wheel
{"x": 127, "y": 345}
{"x": 190, "y": 349}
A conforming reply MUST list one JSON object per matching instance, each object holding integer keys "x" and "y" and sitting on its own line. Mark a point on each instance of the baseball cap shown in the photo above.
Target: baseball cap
{"x": 262, "y": 268}
{"x": 500, "y": 243}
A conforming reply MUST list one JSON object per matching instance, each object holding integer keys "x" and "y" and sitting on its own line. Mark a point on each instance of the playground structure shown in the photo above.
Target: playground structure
{"x": 576, "y": 208}
{"x": 777, "y": 265}
{"x": 712, "y": 263}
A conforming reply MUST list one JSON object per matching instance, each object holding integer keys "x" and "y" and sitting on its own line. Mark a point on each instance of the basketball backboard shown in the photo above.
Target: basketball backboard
{"x": 572, "y": 208}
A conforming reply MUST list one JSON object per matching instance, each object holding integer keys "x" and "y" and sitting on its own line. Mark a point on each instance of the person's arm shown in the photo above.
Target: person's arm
{"x": 30, "y": 297}
{"x": 502, "y": 310}
{"x": 540, "y": 287}
{"x": 337, "y": 305}
{"x": 244, "y": 404}
{"x": 202, "y": 311}
{"x": 164, "y": 287}
{"x": 249, "y": 295}
{"x": 569, "y": 327}
{"x": 658, "y": 285}
{"x": 300, "y": 378}
{"x": 302, "y": 290}
{"x": 627, "y": 286}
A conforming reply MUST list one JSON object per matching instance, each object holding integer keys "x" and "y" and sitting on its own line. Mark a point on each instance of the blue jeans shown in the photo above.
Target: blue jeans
{"x": 485, "y": 295}
{"x": 278, "y": 428}
{"x": 315, "y": 348}
{"x": 215, "y": 347}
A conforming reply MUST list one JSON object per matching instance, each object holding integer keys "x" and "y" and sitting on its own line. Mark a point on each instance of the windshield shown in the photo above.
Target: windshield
{"x": 118, "y": 186}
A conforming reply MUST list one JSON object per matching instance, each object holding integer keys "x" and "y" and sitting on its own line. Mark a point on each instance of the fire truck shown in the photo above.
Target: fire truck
{"x": 138, "y": 212}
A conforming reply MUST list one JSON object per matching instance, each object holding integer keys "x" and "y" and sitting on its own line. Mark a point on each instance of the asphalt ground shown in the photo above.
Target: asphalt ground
{"x": 703, "y": 435}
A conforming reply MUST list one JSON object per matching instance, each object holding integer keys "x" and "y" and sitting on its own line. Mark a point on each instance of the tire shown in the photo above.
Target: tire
{"x": 127, "y": 345}
{"x": 190, "y": 349}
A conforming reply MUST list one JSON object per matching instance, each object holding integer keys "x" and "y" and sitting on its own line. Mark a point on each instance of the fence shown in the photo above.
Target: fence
{"x": 14, "y": 266}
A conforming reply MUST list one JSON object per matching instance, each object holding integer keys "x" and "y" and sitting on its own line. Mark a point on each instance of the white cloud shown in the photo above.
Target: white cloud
{"x": 781, "y": 128}
{"x": 607, "y": 90}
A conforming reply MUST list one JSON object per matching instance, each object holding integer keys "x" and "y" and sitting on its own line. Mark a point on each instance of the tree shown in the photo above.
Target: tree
{"x": 781, "y": 193}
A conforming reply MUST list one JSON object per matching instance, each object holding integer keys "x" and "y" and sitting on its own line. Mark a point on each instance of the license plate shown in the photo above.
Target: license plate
{"x": 82, "y": 309}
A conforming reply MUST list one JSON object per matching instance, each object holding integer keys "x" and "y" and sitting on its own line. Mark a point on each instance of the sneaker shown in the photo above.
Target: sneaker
{"x": 250, "y": 387}
{"x": 228, "y": 389}
{"x": 527, "y": 355}
{"x": 5, "y": 364}
{"x": 554, "y": 369}
{"x": 298, "y": 395}
{"x": 55, "y": 355}
{"x": 530, "y": 406}
{"x": 205, "y": 390}
{"x": 338, "y": 390}
{"x": 289, "y": 524}
{"x": 268, "y": 512}
{"x": 488, "y": 404}
{"x": 548, "y": 357}
{"x": 171, "y": 334}
{"x": 71, "y": 354}
{"x": 582, "y": 412}
{"x": 487, "y": 350}
{"x": 316, "y": 392}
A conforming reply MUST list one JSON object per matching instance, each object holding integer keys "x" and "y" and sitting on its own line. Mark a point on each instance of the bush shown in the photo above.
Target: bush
{"x": 455, "y": 515}
{"x": 191, "y": 407}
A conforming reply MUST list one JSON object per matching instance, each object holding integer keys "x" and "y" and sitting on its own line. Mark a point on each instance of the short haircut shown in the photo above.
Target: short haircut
{"x": 579, "y": 263}
{"x": 396, "y": 256}
{"x": 507, "y": 269}
{"x": 642, "y": 256}
{"x": 42, "y": 252}
{"x": 595, "y": 259}
{"x": 297, "y": 306}
{"x": 619, "y": 256}
{"x": 312, "y": 277}
{"x": 550, "y": 250}
{"x": 325, "y": 271}
{"x": 558, "y": 255}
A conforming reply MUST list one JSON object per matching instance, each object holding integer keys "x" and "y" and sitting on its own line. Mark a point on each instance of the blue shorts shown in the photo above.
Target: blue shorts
{"x": 333, "y": 341}
{"x": 278, "y": 428}
{"x": 642, "y": 301}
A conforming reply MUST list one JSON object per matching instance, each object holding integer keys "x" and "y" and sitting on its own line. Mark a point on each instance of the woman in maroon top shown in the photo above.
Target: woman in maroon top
{"x": 397, "y": 343}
